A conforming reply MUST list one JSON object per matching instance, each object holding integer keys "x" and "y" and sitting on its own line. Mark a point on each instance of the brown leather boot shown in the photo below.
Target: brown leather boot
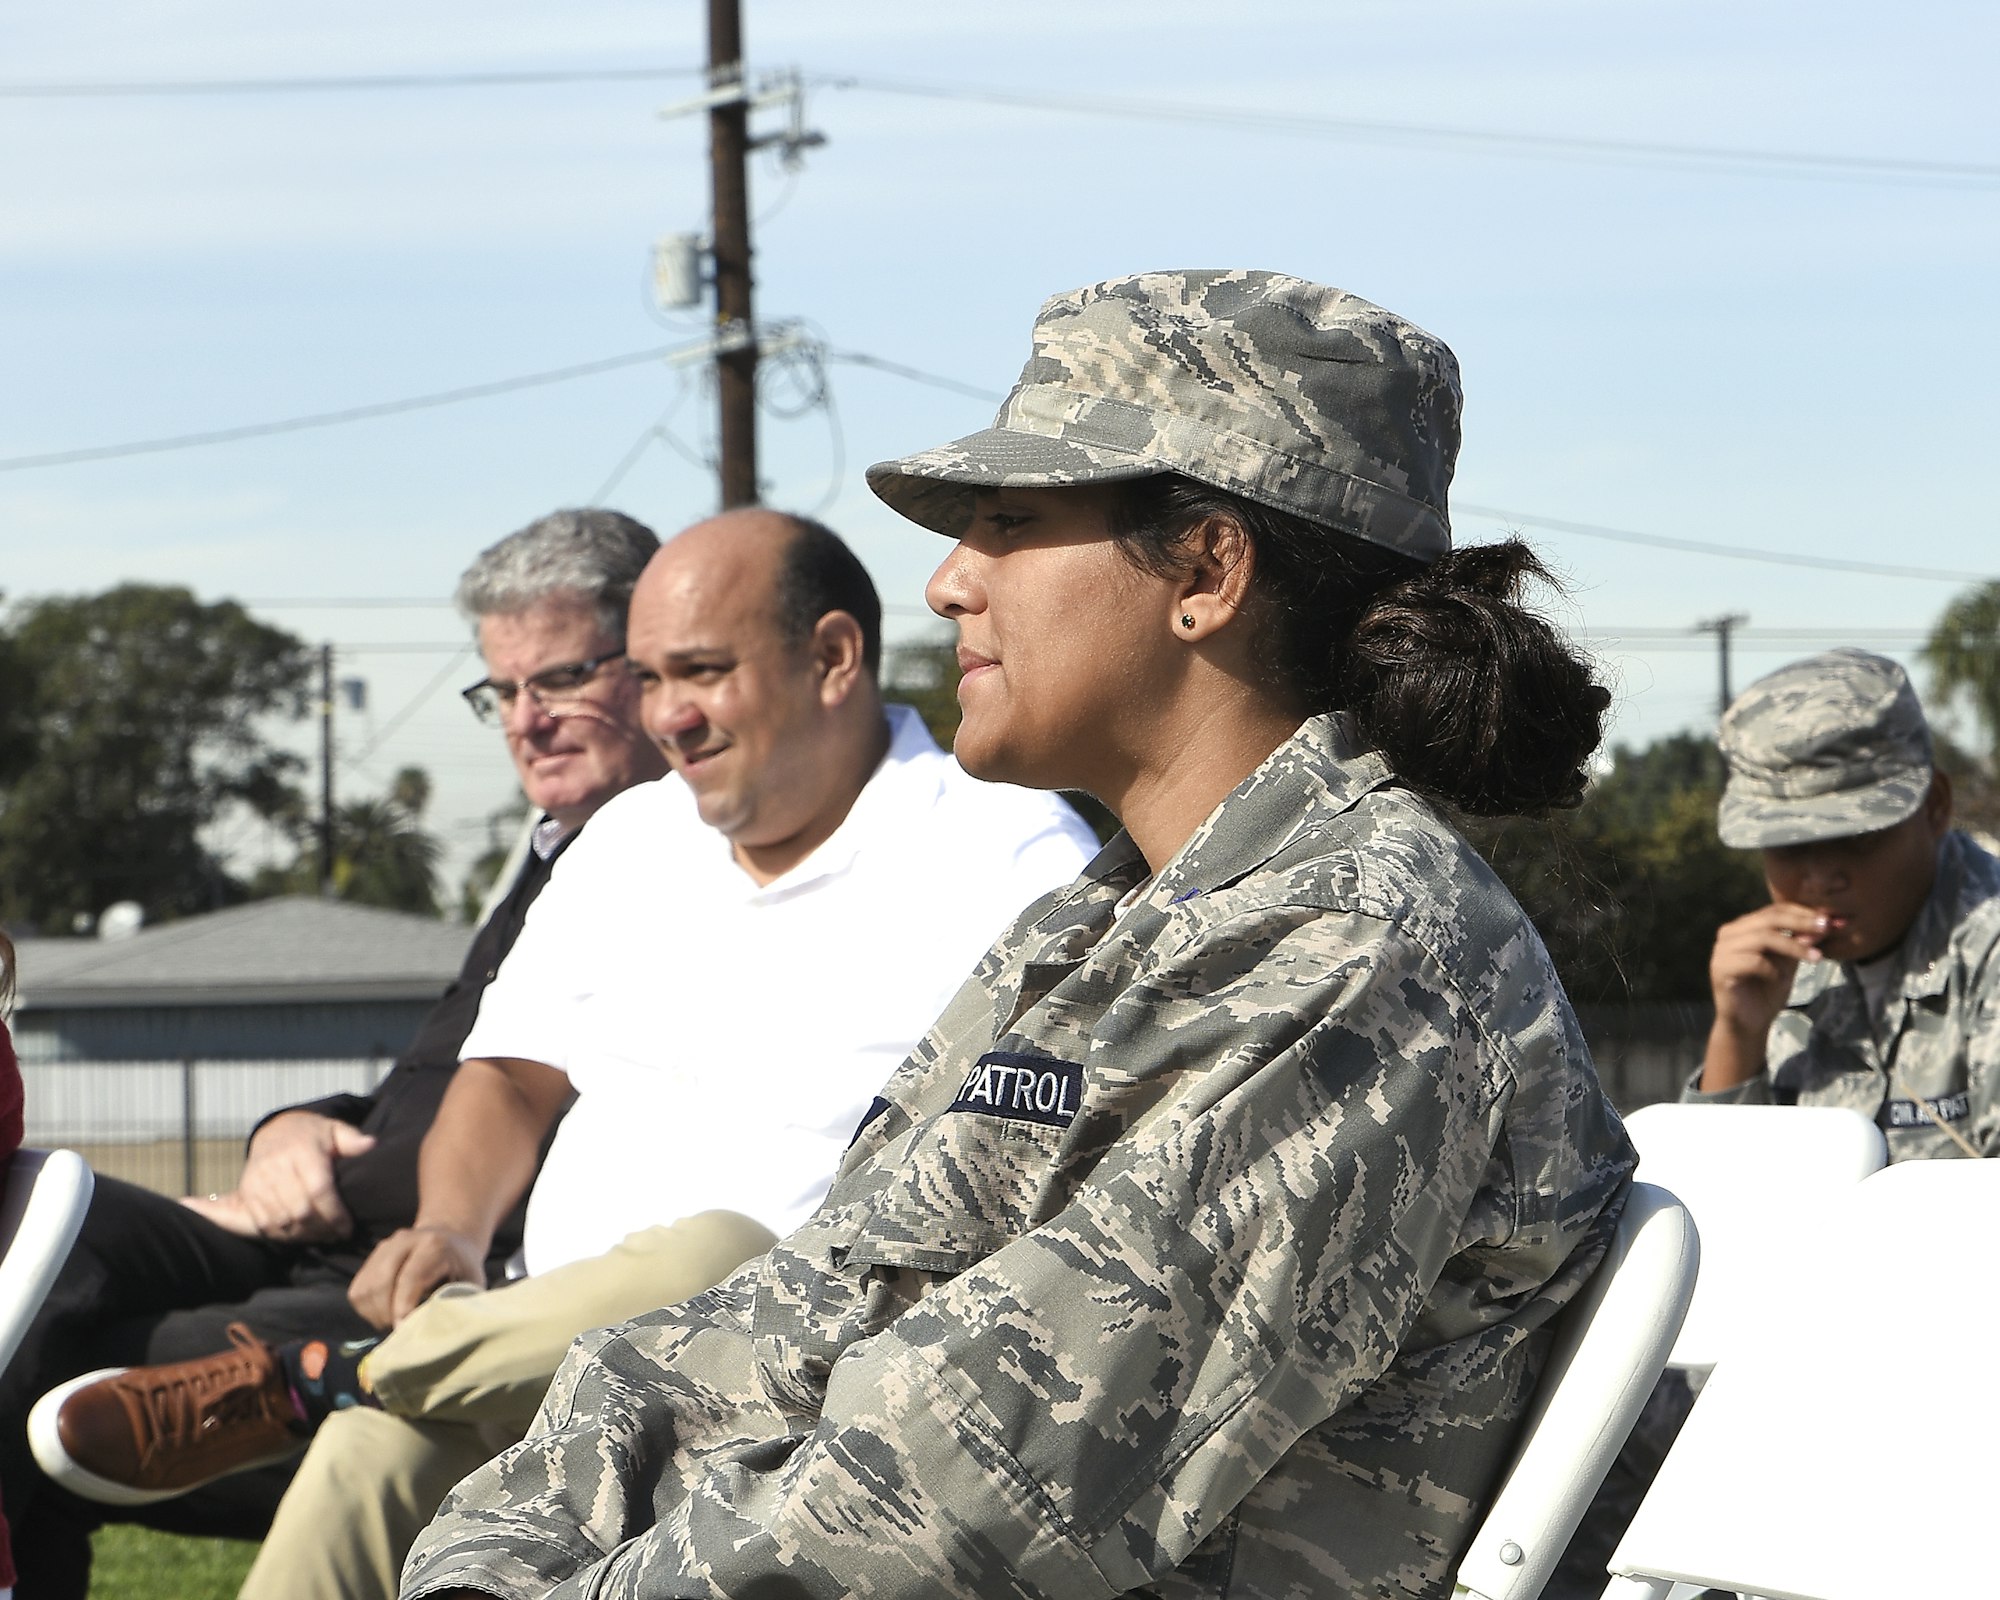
{"x": 127, "y": 1436}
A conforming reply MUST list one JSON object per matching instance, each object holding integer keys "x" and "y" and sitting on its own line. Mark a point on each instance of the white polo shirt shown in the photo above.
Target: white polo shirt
{"x": 725, "y": 1039}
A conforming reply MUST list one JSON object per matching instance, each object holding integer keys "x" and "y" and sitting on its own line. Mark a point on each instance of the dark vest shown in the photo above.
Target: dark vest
{"x": 379, "y": 1188}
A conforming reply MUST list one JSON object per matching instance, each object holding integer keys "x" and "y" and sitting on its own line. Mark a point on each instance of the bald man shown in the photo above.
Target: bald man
{"x": 826, "y": 877}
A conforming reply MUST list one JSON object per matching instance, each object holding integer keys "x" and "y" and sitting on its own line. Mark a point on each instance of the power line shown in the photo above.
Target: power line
{"x": 625, "y": 464}
{"x": 856, "y": 358}
{"x": 1777, "y": 163}
{"x": 443, "y": 397}
{"x": 1649, "y": 633}
{"x": 1734, "y": 552}
{"x": 1786, "y": 636}
{"x": 427, "y": 647}
{"x": 660, "y": 431}
{"x": 934, "y": 380}
{"x": 328, "y": 419}
{"x": 1524, "y": 519}
{"x": 1792, "y": 163}
{"x": 455, "y": 647}
{"x": 410, "y": 707}
{"x": 349, "y": 602}
{"x": 370, "y": 83}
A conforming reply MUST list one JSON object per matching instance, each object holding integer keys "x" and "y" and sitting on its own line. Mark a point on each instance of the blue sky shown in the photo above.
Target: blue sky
{"x": 1724, "y": 352}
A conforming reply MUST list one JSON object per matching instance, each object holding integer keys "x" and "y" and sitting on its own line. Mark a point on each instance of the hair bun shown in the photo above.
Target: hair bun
{"x": 1473, "y": 699}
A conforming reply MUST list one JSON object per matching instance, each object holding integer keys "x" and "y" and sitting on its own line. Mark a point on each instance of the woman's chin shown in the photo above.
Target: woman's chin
{"x": 988, "y": 757}
{"x": 975, "y": 754}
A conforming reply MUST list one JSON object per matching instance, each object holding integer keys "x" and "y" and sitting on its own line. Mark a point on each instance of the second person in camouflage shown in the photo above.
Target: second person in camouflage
{"x": 1210, "y": 1240}
{"x": 1872, "y": 979}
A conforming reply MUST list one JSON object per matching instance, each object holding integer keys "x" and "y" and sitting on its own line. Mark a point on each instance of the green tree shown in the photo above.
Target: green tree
{"x": 1975, "y": 792}
{"x": 501, "y": 827}
{"x": 17, "y": 723}
{"x": 1629, "y": 889}
{"x": 382, "y": 854}
{"x": 410, "y": 790}
{"x": 384, "y": 857}
{"x": 1963, "y": 653}
{"x": 133, "y": 725}
{"x": 924, "y": 676}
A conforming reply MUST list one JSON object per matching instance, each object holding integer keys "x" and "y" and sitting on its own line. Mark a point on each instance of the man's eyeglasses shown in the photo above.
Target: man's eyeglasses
{"x": 554, "y": 689}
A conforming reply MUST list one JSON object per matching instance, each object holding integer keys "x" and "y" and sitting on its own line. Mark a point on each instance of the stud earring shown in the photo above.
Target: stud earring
{"x": 1187, "y": 619}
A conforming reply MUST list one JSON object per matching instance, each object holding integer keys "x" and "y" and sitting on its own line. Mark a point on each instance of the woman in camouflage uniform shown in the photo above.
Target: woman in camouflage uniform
{"x": 1209, "y": 1242}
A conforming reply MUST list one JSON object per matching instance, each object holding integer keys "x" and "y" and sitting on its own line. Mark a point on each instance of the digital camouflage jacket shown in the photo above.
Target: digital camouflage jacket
{"x": 1206, "y": 1245}
{"x": 1936, "y": 1056}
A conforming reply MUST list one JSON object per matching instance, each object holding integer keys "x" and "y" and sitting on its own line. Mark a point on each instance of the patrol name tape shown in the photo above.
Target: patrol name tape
{"x": 1023, "y": 1088}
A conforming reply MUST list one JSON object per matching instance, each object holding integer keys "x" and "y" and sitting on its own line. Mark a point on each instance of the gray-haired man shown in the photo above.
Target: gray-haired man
{"x": 153, "y": 1280}
{"x": 722, "y": 973}
{"x": 1872, "y": 979}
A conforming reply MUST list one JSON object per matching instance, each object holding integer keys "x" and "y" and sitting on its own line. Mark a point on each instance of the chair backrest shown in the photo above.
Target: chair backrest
{"x": 1611, "y": 1344}
{"x": 43, "y": 1195}
{"x": 1758, "y": 1180}
{"x": 1842, "y": 1450}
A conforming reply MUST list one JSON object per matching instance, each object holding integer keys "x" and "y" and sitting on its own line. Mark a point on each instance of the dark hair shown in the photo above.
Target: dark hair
{"x": 6, "y": 973}
{"x": 1473, "y": 700}
{"x": 592, "y": 555}
{"x": 820, "y": 574}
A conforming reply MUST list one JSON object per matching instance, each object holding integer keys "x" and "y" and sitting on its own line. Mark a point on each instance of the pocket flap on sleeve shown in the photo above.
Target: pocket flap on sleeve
{"x": 976, "y": 1175}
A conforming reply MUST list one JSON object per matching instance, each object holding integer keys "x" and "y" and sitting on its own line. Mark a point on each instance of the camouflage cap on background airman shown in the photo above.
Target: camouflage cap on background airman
{"x": 1291, "y": 394}
{"x": 1824, "y": 748}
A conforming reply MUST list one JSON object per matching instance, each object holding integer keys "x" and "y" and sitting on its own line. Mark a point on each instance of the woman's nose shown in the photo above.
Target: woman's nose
{"x": 951, "y": 590}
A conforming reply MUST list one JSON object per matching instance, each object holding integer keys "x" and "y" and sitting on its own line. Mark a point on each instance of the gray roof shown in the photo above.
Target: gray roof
{"x": 271, "y": 951}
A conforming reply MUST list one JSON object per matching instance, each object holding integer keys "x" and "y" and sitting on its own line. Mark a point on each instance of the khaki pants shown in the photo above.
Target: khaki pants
{"x": 461, "y": 1378}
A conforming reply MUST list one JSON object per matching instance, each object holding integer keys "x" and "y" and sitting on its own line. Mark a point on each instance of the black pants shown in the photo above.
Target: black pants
{"x": 151, "y": 1281}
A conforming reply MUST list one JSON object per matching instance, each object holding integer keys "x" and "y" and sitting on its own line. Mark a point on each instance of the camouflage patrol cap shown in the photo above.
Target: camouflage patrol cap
{"x": 1288, "y": 393}
{"x": 1825, "y": 748}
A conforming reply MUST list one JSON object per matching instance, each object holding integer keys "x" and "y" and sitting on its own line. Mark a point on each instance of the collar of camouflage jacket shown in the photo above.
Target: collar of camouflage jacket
{"x": 1321, "y": 770}
{"x": 1316, "y": 774}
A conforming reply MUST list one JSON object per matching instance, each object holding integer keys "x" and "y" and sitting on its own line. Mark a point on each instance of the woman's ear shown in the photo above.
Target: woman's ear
{"x": 1218, "y": 562}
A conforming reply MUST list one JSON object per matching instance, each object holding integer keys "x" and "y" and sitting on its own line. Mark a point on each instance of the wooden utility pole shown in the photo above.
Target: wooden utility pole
{"x": 1722, "y": 627}
{"x": 326, "y": 771}
{"x": 728, "y": 151}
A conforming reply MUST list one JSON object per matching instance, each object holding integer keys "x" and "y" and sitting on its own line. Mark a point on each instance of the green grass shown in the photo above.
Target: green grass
{"x": 130, "y": 1563}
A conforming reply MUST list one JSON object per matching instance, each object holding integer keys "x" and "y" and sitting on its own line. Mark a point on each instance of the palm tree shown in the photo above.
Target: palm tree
{"x": 411, "y": 789}
{"x": 1963, "y": 653}
{"x": 383, "y": 857}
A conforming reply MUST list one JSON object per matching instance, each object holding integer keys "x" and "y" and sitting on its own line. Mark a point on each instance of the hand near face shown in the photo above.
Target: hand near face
{"x": 287, "y": 1193}
{"x": 1755, "y": 957}
{"x": 405, "y": 1267}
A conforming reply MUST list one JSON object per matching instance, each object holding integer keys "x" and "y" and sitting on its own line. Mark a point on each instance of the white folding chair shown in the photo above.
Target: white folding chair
{"x": 43, "y": 1196}
{"x": 1841, "y": 1449}
{"x": 1610, "y": 1346}
{"x": 1758, "y": 1181}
